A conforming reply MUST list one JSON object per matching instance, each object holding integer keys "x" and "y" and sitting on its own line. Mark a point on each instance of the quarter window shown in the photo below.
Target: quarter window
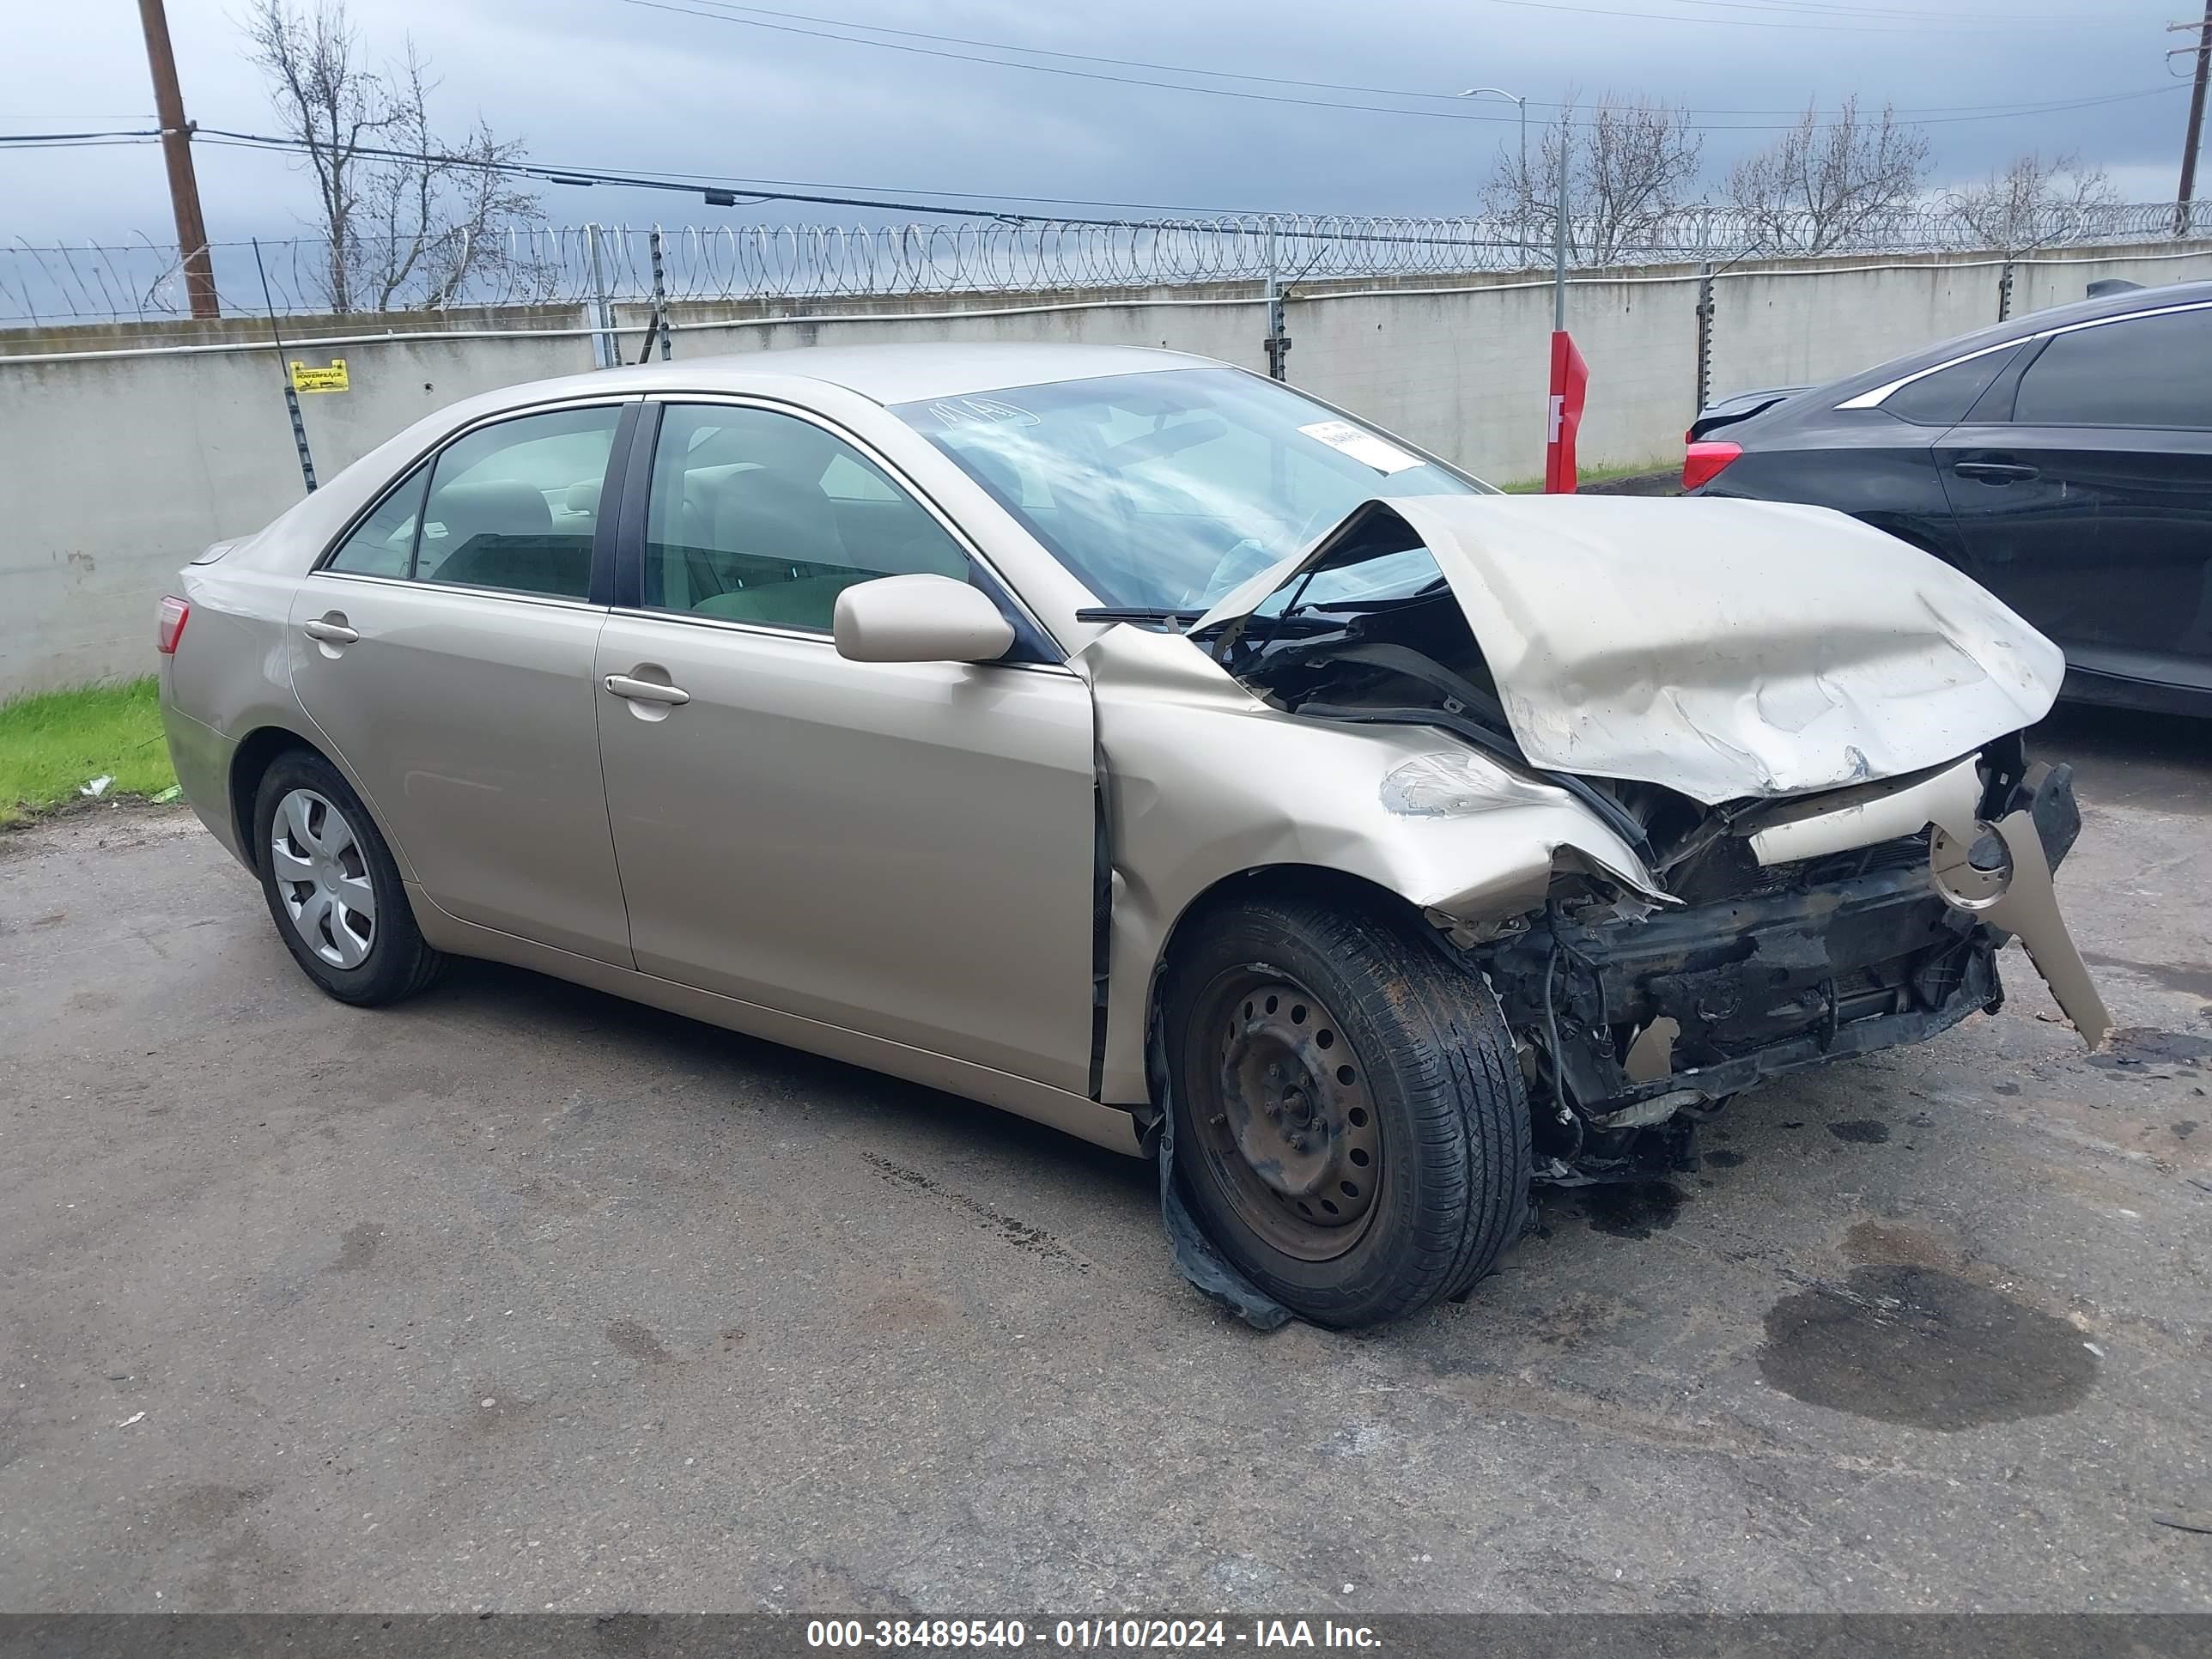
{"x": 761, "y": 517}
{"x": 2145, "y": 371}
{"x": 1943, "y": 399}
{"x": 383, "y": 544}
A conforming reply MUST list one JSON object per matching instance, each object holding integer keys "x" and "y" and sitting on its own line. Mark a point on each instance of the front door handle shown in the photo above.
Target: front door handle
{"x": 329, "y": 632}
{"x": 645, "y": 690}
{"x": 1995, "y": 472}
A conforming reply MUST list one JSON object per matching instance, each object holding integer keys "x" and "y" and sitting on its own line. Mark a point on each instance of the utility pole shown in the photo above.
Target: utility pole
{"x": 2191, "y": 144}
{"x": 177, "y": 152}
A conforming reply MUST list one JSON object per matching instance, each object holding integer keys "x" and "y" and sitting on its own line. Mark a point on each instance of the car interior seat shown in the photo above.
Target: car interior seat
{"x": 499, "y": 534}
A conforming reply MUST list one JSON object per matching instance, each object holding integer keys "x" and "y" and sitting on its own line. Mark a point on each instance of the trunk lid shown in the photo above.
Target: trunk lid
{"x": 1722, "y": 649}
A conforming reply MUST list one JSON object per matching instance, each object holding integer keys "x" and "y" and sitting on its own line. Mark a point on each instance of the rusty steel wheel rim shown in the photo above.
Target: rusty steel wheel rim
{"x": 1283, "y": 1115}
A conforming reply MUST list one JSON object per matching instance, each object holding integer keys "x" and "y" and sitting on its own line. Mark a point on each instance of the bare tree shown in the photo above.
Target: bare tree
{"x": 410, "y": 219}
{"x": 1630, "y": 163}
{"x": 1821, "y": 183}
{"x": 2034, "y": 201}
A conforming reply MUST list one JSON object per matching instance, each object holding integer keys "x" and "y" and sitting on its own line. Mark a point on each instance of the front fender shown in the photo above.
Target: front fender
{"x": 1205, "y": 782}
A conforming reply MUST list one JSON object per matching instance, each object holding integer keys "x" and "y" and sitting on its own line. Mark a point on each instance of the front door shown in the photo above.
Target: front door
{"x": 445, "y": 650}
{"x": 902, "y": 849}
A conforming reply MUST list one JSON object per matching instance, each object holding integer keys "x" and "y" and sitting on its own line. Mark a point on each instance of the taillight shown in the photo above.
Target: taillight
{"x": 169, "y": 625}
{"x": 1702, "y": 461}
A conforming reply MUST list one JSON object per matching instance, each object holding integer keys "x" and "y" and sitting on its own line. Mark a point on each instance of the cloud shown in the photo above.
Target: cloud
{"x": 606, "y": 83}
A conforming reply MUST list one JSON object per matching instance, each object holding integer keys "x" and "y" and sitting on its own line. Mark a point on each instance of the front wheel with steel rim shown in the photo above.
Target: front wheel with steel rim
{"x": 1350, "y": 1129}
{"x": 332, "y": 886}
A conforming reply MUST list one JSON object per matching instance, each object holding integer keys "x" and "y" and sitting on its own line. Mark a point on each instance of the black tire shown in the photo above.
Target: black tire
{"x": 1419, "y": 1076}
{"x": 396, "y": 962}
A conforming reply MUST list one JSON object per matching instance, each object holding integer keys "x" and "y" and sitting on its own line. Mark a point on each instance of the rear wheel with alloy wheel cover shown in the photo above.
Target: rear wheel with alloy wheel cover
{"x": 332, "y": 887}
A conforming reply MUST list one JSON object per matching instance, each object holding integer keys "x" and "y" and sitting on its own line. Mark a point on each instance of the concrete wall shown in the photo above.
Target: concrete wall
{"x": 120, "y": 457}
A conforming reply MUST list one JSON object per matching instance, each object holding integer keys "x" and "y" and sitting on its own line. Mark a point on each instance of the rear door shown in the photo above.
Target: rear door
{"x": 901, "y": 849}
{"x": 445, "y": 650}
{"x": 2085, "y": 498}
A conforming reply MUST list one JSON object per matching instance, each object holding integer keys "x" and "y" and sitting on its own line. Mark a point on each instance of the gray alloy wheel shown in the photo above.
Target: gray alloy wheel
{"x": 324, "y": 878}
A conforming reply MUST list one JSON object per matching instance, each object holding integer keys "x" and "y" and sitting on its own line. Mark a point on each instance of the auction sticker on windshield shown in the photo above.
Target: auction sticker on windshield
{"x": 1363, "y": 446}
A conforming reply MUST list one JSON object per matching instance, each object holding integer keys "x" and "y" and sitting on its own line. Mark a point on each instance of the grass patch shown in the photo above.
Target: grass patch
{"x": 1590, "y": 475}
{"x": 54, "y": 743}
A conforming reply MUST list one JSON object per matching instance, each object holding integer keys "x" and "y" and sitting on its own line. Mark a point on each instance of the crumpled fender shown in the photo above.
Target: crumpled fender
{"x": 1205, "y": 781}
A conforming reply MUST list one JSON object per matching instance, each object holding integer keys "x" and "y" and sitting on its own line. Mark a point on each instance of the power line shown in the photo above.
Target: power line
{"x": 749, "y": 13}
{"x": 715, "y": 188}
{"x": 24, "y": 140}
{"x": 1930, "y": 26}
{"x": 1817, "y": 7}
{"x": 727, "y": 16}
{"x": 765, "y": 189}
{"x": 1948, "y": 23}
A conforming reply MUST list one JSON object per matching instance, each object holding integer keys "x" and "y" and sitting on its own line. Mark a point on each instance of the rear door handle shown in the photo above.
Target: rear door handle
{"x": 1995, "y": 472}
{"x": 645, "y": 690}
{"x": 330, "y": 633}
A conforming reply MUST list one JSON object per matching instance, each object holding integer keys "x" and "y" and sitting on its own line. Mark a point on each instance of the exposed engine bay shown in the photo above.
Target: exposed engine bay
{"x": 1788, "y": 929}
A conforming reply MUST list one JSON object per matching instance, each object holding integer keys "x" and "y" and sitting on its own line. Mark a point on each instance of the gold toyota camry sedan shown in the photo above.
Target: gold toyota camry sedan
{"x": 1140, "y": 745}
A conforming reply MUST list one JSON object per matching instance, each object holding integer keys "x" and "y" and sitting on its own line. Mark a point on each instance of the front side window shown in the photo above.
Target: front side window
{"x": 2144, "y": 371}
{"x": 1164, "y": 490}
{"x": 515, "y": 506}
{"x": 761, "y": 517}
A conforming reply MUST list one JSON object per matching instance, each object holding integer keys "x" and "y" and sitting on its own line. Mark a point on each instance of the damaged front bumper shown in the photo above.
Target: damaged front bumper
{"x": 1634, "y": 1028}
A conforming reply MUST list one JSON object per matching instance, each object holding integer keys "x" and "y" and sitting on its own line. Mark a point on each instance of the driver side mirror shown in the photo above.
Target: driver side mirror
{"x": 922, "y": 618}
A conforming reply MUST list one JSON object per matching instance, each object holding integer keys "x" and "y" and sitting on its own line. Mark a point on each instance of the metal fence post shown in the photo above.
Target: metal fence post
{"x": 607, "y": 350}
{"x": 1704, "y": 335}
{"x": 1278, "y": 340}
{"x": 284, "y": 365}
{"x": 2004, "y": 291}
{"x": 660, "y": 293}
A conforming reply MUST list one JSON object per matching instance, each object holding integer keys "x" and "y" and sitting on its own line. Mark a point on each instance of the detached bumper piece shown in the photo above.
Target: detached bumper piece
{"x": 1640, "y": 1028}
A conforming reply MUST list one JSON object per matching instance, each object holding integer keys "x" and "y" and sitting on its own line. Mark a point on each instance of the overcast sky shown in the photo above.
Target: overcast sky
{"x": 623, "y": 84}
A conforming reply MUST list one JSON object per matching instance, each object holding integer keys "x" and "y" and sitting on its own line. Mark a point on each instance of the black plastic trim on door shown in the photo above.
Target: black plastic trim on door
{"x": 629, "y": 520}
{"x": 1994, "y": 406}
{"x": 607, "y": 530}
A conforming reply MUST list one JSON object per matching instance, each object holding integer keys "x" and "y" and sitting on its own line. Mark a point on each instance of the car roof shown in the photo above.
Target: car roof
{"x": 887, "y": 373}
{"x": 2025, "y": 326}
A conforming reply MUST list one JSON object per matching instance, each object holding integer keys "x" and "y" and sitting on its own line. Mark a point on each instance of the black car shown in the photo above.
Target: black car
{"x": 2062, "y": 460}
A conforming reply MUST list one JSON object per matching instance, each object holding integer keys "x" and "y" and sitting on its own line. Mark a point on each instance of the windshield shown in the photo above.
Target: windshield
{"x": 1163, "y": 491}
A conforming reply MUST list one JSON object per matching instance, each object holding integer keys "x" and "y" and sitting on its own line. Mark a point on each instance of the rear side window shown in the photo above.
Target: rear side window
{"x": 512, "y": 507}
{"x": 2143, "y": 371}
{"x": 515, "y": 506}
{"x": 1943, "y": 399}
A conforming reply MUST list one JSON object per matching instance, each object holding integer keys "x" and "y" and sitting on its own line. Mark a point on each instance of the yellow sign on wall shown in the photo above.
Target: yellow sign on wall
{"x": 306, "y": 377}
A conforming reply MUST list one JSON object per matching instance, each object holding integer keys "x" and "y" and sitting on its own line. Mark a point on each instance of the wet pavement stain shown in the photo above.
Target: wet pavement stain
{"x": 1921, "y": 1347}
{"x": 1631, "y": 1209}
{"x": 1723, "y": 1159}
{"x": 356, "y": 1248}
{"x": 1861, "y": 1131}
{"x": 2146, "y": 1045}
{"x": 638, "y": 1341}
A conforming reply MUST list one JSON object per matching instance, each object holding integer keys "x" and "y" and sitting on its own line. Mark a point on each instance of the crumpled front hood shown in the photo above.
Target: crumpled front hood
{"x": 1723, "y": 649}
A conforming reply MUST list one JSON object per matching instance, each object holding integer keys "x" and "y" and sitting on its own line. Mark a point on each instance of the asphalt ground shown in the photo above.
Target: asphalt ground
{"x": 520, "y": 1296}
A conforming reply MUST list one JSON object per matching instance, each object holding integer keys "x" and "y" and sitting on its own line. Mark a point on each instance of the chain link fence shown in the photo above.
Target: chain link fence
{"x": 65, "y": 285}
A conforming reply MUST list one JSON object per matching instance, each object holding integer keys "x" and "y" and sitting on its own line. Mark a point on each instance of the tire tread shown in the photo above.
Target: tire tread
{"x": 1454, "y": 1061}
